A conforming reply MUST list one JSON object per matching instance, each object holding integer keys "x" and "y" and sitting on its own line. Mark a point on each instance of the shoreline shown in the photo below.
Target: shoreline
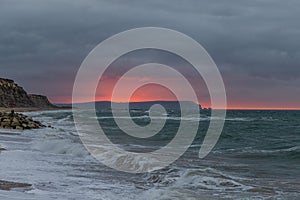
{"x": 31, "y": 109}
{"x": 8, "y": 185}
{"x": 13, "y": 118}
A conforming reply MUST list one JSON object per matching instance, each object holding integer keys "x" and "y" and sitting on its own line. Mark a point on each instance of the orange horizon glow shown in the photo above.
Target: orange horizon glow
{"x": 261, "y": 108}
{"x": 152, "y": 92}
{"x": 204, "y": 105}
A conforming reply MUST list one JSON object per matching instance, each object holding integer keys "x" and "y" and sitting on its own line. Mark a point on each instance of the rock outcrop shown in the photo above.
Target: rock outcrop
{"x": 18, "y": 121}
{"x": 40, "y": 101}
{"x": 12, "y": 95}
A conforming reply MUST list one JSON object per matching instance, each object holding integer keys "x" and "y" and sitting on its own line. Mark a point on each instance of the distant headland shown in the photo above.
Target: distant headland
{"x": 13, "y": 96}
{"x": 143, "y": 105}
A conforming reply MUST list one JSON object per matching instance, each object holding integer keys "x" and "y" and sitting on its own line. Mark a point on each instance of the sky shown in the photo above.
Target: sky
{"x": 254, "y": 43}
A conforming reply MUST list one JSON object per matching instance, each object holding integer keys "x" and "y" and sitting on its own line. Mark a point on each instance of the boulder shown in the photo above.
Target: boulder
{"x": 18, "y": 121}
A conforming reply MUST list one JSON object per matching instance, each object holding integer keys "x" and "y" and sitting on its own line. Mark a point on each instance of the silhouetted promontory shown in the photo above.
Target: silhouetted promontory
{"x": 13, "y": 95}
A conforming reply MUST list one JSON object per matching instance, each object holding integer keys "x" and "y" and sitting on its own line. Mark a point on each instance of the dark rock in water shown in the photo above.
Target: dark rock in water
{"x": 18, "y": 121}
{"x": 12, "y": 95}
{"x": 7, "y": 185}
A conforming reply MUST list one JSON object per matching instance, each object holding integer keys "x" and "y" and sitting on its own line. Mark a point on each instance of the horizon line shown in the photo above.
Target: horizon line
{"x": 228, "y": 108}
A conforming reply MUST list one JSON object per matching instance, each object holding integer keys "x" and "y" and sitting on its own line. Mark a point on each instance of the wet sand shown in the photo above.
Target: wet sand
{"x": 29, "y": 109}
{"x": 7, "y": 185}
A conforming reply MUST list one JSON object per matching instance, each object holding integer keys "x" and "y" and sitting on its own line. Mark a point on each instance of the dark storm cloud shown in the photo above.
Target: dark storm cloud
{"x": 44, "y": 42}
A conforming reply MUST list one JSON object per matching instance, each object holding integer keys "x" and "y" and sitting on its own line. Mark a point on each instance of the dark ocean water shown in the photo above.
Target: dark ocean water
{"x": 260, "y": 148}
{"x": 256, "y": 157}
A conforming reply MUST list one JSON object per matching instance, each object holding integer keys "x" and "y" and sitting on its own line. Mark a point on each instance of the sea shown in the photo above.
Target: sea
{"x": 256, "y": 157}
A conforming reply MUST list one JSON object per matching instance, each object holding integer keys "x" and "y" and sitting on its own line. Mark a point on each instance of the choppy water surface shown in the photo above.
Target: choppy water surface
{"x": 257, "y": 157}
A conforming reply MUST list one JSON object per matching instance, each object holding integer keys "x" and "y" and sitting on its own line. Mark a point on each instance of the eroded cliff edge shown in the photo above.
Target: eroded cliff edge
{"x": 13, "y": 95}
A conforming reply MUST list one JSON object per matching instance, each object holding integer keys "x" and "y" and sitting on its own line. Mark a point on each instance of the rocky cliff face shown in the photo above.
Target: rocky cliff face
{"x": 40, "y": 101}
{"x": 11, "y": 94}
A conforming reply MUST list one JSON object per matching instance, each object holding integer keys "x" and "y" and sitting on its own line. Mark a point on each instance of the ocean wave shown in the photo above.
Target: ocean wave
{"x": 282, "y": 153}
{"x": 207, "y": 178}
{"x": 182, "y": 183}
{"x": 64, "y": 146}
{"x": 295, "y": 149}
{"x": 176, "y": 118}
{"x": 291, "y": 149}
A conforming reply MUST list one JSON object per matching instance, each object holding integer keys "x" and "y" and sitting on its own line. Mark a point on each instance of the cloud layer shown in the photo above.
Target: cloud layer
{"x": 254, "y": 43}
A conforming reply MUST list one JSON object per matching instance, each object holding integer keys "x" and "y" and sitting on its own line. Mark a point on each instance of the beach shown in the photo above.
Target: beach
{"x": 26, "y": 109}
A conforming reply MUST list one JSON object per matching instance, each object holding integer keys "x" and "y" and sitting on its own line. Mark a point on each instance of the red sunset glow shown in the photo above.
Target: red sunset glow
{"x": 158, "y": 93}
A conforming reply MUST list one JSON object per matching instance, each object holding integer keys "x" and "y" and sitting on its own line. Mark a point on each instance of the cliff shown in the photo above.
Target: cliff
{"x": 40, "y": 101}
{"x": 11, "y": 94}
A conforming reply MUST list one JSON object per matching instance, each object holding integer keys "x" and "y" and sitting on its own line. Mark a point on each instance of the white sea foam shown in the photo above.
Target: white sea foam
{"x": 291, "y": 149}
{"x": 188, "y": 184}
{"x": 63, "y": 146}
{"x": 55, "y": 162}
